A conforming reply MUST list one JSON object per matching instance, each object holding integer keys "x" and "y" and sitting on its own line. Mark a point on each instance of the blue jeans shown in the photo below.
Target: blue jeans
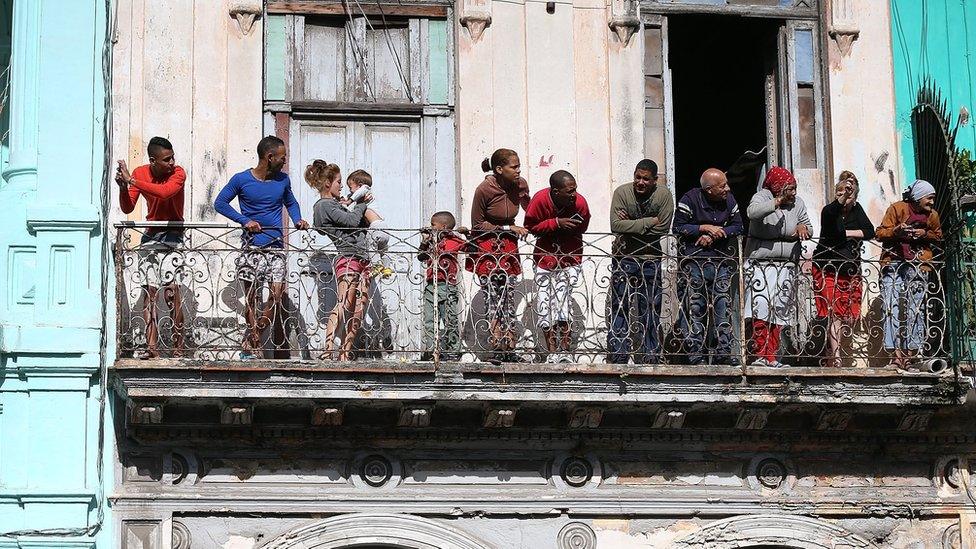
{"x": 706, "y": 291}
{"x": 635, "y": 283}
{"x": 903, "y": 286}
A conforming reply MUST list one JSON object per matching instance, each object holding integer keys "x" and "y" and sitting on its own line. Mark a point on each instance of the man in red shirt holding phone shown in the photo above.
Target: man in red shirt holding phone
{"x": 160, "y": 259}
{"x": 558, "y": 216}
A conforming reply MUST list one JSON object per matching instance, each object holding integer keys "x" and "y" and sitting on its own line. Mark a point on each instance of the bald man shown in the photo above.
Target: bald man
{"x": 707, "y": 222}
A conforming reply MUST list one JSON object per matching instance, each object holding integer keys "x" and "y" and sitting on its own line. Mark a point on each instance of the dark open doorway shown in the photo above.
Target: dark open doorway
{"x": 719, "y": 66}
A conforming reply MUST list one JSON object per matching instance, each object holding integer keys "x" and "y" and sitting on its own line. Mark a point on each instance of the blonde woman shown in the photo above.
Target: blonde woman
{"x": 346, "y": 229}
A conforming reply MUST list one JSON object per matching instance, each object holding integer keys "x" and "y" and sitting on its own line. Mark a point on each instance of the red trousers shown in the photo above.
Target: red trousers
{"x": 765, "y": 339}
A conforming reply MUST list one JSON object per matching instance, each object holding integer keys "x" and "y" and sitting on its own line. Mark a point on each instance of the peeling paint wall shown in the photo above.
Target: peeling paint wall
{"x": 184, "y": 70}
{"x": 862, "y": 104}
{"x": 560, "y": 90}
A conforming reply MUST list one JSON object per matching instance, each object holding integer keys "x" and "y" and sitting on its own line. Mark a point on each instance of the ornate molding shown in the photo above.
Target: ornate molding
{"x": 661, "y": 386}
{"x": 181, "y": 536}
{"x": 376, "y": 529}
{"x": 788, "y": 530}
{"x": 576, "y": 535}
{"x": 625, "y": 19}
{"x": 245, "y": 12}
{"x": 475, "y": 16}
{"x": 843, "y": 26}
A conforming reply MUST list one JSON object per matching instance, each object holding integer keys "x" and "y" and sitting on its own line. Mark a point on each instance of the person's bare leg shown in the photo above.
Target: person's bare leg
{"x": 171, "y": 294}
{"x": 337, "y": 316}
{"x": 270, "y": 315}
{"x": 565, "y": 337}
{"x": 252, "y": 338}
{"x": 834, "y": 327}
{"x": 149, "y": 317}
{"x": 551, "y": 340}
{"x": 359, "y": 301}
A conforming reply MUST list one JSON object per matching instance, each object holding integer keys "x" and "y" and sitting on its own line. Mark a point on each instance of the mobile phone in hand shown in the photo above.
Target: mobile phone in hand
{"x": 576, "y": 217}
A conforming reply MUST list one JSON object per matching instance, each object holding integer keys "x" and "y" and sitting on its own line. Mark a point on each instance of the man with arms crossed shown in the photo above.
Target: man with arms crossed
{"x": 640, "y": 213}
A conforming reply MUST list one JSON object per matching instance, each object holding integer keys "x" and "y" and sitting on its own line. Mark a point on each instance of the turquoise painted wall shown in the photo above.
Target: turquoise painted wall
{"x": 935, "y": 38}
{"x": 52, "y": 237}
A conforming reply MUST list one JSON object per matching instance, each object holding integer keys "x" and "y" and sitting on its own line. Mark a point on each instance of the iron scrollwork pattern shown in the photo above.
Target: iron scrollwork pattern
{"x": 664, "y": 309}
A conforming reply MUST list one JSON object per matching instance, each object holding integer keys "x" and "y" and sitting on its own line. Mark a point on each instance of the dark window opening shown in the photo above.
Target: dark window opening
{"x": 719, "y": 66}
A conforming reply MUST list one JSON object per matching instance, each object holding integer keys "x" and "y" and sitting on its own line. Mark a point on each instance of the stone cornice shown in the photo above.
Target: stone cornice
{"x": 508, "y": 502}
{"x": 245, "y": 436}
{"x": 591, "y": 384}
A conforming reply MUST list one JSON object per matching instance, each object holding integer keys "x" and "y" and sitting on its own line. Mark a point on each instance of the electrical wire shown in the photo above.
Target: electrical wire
{"x": 389, "y": 43}
{"x": 357, "y": 48}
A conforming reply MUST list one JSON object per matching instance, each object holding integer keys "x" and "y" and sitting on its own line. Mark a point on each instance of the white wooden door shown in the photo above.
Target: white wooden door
{"x": 390, "y": 152}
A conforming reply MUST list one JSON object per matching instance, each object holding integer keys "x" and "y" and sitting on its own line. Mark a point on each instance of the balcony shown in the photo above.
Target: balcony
{"x": 197, "y": 354}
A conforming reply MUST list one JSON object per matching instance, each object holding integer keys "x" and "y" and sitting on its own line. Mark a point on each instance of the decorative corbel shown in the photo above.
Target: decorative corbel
{"x": 500, "y": 416}
{"x": 752, "y": 419}
{"x": 476, "y": 17}
{"x": 843, "y": 26}
{"x": 237, "y": 413}
{"x": 414, "y": 416}
{"x": 625, "y": 19}
{"x": 668, "y": 418}
{"x": 327, "y": 415}
{"x": 585, "y": 417}
{"x": 245, "y": 12}
{"x": 145, "y": 413}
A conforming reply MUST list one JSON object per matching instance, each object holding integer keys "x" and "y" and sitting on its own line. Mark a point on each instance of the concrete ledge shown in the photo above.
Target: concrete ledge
{"x": 589, "y": 383}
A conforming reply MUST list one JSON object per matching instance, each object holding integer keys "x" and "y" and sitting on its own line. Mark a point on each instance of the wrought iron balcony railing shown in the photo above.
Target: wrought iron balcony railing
{"x": 211, "y": 297}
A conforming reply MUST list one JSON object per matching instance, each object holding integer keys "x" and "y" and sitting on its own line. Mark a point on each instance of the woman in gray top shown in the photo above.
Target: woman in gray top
{"x": 779, "y": 221}
{"x": 346, "y": 228}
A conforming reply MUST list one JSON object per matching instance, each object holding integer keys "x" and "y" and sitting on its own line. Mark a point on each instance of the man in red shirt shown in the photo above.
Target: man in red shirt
{"x": 160, "y": 261}
{"x": 558, "y": 216}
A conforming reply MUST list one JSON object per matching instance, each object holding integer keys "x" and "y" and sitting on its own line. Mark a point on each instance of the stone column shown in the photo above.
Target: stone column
{"x": 21, "y": 174}
{"x": 19, "y": 185}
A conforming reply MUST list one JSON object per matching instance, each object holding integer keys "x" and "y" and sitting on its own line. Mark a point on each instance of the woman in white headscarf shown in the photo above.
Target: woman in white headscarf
{"x": 907, "y": 232}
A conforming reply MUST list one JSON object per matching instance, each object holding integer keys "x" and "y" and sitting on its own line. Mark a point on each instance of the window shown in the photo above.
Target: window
{"x": 358, "y": 59}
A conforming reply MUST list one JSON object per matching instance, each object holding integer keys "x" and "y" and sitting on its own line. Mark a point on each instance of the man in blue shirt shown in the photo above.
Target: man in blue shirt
{"x": 261, "y": 192}
{"x": 707, "y": 222}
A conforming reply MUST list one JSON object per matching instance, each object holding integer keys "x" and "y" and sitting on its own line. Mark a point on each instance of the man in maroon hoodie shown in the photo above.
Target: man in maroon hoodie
{"x": 558, "y": 216}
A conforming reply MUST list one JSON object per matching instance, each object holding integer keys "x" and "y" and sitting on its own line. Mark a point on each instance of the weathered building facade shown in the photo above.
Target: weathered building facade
{"x": 292, "y": 452}
{"x": 52, "y": 284}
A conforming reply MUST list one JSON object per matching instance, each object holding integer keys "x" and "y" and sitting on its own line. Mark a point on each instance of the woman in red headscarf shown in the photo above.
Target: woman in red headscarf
{"x": 778, "y": 222}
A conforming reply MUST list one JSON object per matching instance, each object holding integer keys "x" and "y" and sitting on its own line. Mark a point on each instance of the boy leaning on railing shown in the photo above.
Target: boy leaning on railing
{"x": 439, "y": 250}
